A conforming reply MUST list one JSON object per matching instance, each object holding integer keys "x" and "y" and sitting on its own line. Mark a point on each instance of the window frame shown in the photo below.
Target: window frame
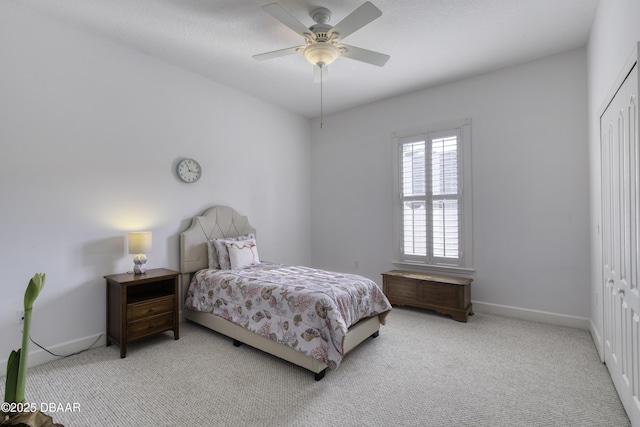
{"x": 464, "y": 263}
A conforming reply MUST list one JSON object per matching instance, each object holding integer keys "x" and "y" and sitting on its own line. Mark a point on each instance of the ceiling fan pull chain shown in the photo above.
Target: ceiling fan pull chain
{"x": 321, "y": 109}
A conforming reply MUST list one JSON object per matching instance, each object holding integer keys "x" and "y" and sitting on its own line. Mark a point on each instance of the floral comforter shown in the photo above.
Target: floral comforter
{"x": 306, "y": 309}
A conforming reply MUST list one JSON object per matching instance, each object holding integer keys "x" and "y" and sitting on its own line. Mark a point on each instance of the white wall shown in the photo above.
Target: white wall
{"x": 614, "y": 35}
{"x": 90, "y": 134}
{"x": 530, "y": 184}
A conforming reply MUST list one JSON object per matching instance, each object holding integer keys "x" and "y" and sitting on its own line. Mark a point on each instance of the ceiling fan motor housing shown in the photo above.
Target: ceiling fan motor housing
{"x": 321, "y": 29}
{"x": 321, "y": 32}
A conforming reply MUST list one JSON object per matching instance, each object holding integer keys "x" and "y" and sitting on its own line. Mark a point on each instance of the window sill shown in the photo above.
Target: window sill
{"x": 435, "y": 268}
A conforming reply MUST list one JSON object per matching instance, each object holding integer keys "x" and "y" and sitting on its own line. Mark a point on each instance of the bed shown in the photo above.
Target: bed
{"x": 264, "y": 314}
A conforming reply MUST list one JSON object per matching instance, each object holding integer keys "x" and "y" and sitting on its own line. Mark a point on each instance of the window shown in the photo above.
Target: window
{"x": 433, "y": 209}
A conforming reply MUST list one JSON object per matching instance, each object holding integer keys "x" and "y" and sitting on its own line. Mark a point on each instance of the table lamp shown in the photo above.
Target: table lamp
{"x": 140, "y": 244}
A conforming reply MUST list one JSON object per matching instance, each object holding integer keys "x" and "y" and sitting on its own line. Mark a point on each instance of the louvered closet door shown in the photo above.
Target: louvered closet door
{"x": 621, "y": 242}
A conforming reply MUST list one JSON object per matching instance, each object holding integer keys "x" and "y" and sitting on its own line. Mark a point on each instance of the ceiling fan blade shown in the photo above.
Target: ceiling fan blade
{"x": 320, "y": 76}
{"x": 364, "y": 55}
{"x": 356, "y": 20}
{"x": 275, "y": 10}
{"x": 277, "y": 53}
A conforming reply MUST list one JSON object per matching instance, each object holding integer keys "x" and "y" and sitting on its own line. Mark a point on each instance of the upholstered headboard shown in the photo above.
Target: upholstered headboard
{"x": 215, "y": 222}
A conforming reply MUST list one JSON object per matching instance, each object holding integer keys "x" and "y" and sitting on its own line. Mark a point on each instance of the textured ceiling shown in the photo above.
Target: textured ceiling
{"x": 429, "y": 41}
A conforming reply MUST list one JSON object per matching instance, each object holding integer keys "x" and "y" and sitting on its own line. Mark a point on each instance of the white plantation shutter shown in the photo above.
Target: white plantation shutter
{"x": 445, "y": 193}
{"x": 431, "y": 197}
{"x": 414, "y": 198}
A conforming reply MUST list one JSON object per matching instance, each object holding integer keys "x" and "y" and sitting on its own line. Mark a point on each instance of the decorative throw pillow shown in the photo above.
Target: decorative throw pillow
{"x": 223, "y": 252}
{"x": 243, "y": 253}
{"x": 213, "y": 255}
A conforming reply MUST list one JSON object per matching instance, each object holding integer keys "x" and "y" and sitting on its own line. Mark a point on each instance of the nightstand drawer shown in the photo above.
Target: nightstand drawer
{"x": 151, "y": 326}
{"x": 142, "y": 310}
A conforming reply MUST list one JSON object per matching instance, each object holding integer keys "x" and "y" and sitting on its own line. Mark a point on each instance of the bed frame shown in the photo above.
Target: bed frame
{"x": 223, "y": 221}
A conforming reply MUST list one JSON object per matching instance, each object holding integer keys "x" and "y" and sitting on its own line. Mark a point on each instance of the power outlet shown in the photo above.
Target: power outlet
{"x": 20, "y": 314}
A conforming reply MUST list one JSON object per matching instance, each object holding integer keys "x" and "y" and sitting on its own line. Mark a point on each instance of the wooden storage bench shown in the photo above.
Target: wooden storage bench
{"x": 444, "y": 294}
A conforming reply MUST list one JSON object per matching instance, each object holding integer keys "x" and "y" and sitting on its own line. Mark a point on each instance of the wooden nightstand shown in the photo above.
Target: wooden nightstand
{"x": 141, "y": 305}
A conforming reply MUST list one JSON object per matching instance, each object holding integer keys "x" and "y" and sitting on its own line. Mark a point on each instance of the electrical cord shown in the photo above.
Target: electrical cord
{"x": 67, "y": 355}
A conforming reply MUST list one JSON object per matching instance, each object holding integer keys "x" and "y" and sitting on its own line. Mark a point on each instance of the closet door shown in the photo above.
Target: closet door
{"x": 620, "y": 241}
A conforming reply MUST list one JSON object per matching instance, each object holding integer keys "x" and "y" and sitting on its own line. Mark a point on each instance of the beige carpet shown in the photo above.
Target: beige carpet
{"x": 423, "y": 370}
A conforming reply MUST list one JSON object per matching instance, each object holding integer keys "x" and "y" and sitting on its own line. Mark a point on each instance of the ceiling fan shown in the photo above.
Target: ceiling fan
{"x": 323, "y": 42}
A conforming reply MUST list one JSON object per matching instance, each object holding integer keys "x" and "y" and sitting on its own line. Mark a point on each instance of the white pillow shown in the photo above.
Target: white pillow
{"x": 243, "y": 253}
{"x": 224, "y": 263}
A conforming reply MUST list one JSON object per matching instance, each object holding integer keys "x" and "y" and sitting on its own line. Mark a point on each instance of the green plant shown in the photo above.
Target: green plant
{"x": 17, "y": 370}
{"x": 17, "y": 365}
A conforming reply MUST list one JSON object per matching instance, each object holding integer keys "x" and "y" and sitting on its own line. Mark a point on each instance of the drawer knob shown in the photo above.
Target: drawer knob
{"x": 151, "y": 326}
{"x": 151, "y": 310}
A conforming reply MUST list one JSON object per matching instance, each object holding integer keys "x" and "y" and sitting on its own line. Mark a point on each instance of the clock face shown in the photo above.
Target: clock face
{"x": 189, "y": 170}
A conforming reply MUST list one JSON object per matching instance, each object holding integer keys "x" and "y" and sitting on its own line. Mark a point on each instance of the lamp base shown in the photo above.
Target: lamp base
{"x": 140, "y": 264}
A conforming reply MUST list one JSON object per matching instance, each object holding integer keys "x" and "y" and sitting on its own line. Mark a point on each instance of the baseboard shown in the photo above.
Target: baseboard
{"x": 597, "y": 340}
{"x": 37, "y": 356}
{"x": 533, "y": 315}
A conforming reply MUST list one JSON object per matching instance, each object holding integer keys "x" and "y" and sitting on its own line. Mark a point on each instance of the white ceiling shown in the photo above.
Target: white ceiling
{"x": 430, "y": 41}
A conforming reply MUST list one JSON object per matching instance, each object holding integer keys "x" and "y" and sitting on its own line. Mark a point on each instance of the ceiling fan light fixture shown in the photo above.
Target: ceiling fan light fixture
{"x": 321, "y": 53}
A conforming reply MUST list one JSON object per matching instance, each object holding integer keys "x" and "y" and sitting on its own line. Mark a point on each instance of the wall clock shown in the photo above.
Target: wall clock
{"x": 189, "y": 170}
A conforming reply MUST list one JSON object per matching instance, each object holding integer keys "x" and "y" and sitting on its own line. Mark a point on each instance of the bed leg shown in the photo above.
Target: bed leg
{"x": 236, "y": 343}
{"x": 375, "y": 334}
{"x": 320, "y": 375}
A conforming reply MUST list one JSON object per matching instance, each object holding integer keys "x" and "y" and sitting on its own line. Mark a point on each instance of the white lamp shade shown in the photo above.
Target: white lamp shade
{"x": 140, "y": 242}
